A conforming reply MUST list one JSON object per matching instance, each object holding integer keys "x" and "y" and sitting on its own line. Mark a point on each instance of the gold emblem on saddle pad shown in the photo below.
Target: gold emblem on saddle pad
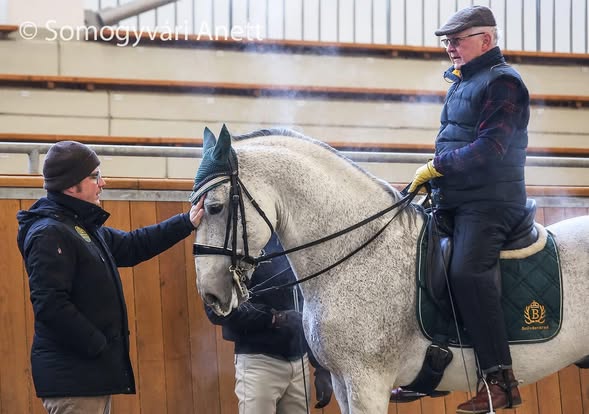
{"x": 534, "y": 313}
{"x": 83, "y": 234}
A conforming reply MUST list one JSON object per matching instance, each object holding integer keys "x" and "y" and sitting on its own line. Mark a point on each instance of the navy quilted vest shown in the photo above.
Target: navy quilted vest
{"x": 503, "y": 179}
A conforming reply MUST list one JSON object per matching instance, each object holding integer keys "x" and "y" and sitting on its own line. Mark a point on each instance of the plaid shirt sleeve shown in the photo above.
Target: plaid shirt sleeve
{"x": 502, "y": 112}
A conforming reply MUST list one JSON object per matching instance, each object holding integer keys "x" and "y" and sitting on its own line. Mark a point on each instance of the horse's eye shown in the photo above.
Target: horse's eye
{"x": 214, "y": 209}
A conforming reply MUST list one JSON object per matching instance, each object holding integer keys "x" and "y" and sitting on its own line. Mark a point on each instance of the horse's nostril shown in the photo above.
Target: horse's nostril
{"x": 210, "y": 299}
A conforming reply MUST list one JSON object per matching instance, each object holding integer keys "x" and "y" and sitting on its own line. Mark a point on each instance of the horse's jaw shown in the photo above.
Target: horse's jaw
{"x": 220, "y": 290}
{"x": 238, "y": 295}
{"x": 233, "y": 304}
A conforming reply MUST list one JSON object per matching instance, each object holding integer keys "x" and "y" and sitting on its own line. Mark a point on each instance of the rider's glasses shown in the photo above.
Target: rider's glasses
{"x": 96, "y": 176}
{"x": 455, "y": 41}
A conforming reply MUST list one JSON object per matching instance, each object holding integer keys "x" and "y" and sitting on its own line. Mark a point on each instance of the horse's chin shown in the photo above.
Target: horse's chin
{"x": 239, "y": 295}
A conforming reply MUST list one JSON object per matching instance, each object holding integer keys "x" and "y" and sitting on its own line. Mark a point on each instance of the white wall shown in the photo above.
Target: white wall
{"x": 375, "y": 21}
{"x": 151, "y": 114}
{"x": 40, "y": 12}
{"x": 3, "y": 11}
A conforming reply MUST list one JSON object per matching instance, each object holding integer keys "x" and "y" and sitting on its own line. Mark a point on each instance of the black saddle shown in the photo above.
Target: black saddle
{"x": 440, "y": 251}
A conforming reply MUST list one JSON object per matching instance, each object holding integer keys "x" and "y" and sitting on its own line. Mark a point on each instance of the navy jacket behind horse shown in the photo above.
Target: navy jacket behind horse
{"x": 250, "y": 326}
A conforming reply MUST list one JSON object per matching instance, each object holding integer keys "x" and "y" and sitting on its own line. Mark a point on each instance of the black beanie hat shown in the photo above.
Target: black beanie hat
{"x": 67, "y": 163}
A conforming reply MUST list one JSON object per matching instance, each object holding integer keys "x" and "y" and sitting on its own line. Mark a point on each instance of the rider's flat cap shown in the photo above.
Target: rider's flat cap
{"x": 473, "y": 16}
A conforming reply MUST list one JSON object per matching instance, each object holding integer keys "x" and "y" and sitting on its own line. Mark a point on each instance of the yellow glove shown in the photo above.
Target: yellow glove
{"x": 423, "y": 174}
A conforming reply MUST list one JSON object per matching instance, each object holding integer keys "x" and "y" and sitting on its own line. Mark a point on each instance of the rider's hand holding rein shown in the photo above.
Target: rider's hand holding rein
{"x": 196, "y": 213}
{"x": 423, "y": 174}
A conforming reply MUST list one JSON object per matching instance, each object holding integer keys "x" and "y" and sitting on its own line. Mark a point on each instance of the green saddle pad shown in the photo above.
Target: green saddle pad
{"x": 531, "y": 296}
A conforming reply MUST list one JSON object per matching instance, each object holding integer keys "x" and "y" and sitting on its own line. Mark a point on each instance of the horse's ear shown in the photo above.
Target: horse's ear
{"x": 209, "y": 139}
{"x": 223, "y": 146}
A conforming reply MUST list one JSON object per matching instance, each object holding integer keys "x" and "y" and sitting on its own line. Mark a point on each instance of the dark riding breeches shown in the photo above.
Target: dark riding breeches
{"x": 479, "y": 233}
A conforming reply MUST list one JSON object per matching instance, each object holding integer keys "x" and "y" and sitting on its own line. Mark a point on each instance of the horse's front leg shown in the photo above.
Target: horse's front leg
{"x": 368, "y": 395}
{"x": 341, "y": 395}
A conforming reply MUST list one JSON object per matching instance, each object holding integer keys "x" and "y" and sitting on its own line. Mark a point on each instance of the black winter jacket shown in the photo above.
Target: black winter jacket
{"x": 81, "y": 341}
{"x": 250, "y": 326}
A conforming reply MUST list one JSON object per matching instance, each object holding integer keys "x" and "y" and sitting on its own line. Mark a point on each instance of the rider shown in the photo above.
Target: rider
{"x": 477, "y": 178}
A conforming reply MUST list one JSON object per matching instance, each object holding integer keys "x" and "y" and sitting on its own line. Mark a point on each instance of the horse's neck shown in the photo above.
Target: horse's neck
{"x": 319, "y": 193}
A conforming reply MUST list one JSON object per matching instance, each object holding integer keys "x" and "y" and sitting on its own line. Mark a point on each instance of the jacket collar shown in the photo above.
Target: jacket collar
{"x": 90, "y": 215}
{"x": 491, "y": 58}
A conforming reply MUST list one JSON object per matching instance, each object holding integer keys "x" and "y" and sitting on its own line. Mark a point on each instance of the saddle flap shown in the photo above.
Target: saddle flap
{"x": 531, "y": 287}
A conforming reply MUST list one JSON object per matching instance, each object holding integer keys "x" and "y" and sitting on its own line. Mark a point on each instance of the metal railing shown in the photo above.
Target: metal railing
{"x": 34, "y": 150}
{"x": 530, "y": 25}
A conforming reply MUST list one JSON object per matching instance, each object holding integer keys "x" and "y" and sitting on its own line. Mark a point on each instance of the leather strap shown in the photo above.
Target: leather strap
{"x": 437, "y": 357}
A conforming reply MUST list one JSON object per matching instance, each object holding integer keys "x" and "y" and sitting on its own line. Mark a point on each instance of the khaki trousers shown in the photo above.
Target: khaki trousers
{"x": 267, "y": 385}
{"x": 78, "y": 405}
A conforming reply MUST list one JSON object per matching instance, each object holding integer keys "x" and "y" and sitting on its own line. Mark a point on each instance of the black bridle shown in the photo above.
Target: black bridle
{"x": 236, "y": 208}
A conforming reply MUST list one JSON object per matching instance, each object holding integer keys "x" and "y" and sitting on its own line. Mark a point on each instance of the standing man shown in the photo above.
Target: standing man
{"x": 478, "y": 180}
{"x": 271, "y": 364}
{"x": 80, "y": 351}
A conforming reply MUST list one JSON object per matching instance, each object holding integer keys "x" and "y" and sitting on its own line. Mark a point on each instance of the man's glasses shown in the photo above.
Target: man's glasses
{"x": 96, "y": 176}
{"x": 455, "y": 41}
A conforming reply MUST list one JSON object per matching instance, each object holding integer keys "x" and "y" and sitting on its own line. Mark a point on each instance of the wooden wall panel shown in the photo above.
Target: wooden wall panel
{"x": 182, "y": 364}
{"x": 456, "y": 398}
{"x": 529, "y": 394}
{"x": 203, "y": 345}
{"x": 35, "y": 405}
{"x": 549, "y": 395}
{"x": 149, "y": 324}
{"x": 433, "y": 405}
{"x": 14, "y": 379}
{"x": 225, "y": 362}
{"x": 120, "y": 218}
{"x": 175, "y": 320}
{"x": 584, "y": 374}
{"x": 570, "y": 381}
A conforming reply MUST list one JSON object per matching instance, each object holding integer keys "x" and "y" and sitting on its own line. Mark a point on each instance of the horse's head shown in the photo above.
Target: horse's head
{"x": 226, "y": 243}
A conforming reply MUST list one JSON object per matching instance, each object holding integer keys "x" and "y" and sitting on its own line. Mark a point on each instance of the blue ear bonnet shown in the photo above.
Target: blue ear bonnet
{"x": 214, "y": 168}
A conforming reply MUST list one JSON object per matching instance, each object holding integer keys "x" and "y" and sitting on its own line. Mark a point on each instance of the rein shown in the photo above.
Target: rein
{"x": 406, "y": 200}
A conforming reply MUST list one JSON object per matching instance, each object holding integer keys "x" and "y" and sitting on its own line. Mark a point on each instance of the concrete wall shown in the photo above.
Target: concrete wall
{"x": 59, "y": 111}
{"x": 99, "y": 59}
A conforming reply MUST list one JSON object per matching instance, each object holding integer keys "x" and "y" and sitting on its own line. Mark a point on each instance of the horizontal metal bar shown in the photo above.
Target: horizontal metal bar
{"x": 417, "y": 158}
{"x": 357, "y": 156}
{"x": 121, "y": 150}
{"x": 182, "y": 196}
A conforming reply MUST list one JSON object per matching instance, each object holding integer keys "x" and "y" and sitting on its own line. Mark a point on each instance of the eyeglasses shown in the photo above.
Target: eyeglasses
{"x": 96, "y": 176}
{"x": 455, "y": 41}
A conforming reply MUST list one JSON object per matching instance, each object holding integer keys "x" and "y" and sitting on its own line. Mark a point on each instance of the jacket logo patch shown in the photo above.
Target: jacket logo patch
{"x": 83, "y": 234}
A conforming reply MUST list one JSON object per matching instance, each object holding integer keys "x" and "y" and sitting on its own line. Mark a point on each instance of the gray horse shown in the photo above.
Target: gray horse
{"x": 359, "y": 317}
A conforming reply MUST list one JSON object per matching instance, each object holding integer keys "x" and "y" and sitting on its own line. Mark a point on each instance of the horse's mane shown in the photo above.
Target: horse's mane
{"x": 286, "y": 132}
